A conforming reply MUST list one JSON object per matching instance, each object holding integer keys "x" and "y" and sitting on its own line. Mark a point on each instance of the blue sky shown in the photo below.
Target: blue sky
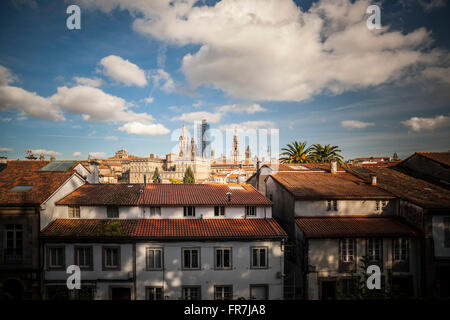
{"x": 312, "y": 70}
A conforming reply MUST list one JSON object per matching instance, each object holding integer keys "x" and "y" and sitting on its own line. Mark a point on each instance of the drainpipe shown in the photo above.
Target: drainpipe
{"x": 134, "y": 270}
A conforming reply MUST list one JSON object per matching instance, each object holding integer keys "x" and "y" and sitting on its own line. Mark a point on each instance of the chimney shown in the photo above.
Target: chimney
{"x": 373, "y": 180}
{"x": 229, "y": 196}
{"x": 258, "y": 163}
{"x": 333, "y": 166}
{"x": 145, "y": 180}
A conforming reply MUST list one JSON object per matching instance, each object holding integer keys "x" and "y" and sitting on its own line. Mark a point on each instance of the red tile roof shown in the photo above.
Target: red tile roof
{"x": 440, "y": 157}
{"x": 164, "y": 229}
{"x": 26, "y": 172}
{"x": 164, "y": 195}
{"x": 403, "y": 184}
{"x": 337, "y": 227}
{"x": 324, "y": 185}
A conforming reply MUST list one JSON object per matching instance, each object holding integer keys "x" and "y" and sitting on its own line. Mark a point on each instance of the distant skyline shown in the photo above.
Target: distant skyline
{"x": 136, "y": 71}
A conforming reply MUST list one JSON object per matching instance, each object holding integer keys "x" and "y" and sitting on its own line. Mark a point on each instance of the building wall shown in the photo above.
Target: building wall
{"x": 134, "y": 212}
{"x": 172, "y": 277}
{"x": 345, "y": 208}
{"x": 440, "y": 250}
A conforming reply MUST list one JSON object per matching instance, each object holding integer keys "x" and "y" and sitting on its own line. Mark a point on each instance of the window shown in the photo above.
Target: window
{"x": 155, "y": 211}
{"x": 154, "y": 293}
{"x": 378, "y": 205}
{"x": 83, "y": 257}
{"x": 111, "y": 258}
{"x": 332, "y": 204}
{"x": 56, "y": 257}
{"x": 219, "y": 211}
{"x": 347, "y": 250}
{"x": 112, "y": 212}
{"x": 191, "y": 293}
{"x": 223, "y": 258}
{"x": 154, "y": 258}
{"x": 401, "y": 249}
{"x": 259, "y": 258}
{"x": 189, "y": 211}
{"x": 13, "y": 249}
{"x": 223, "y": 292}
{"x": 447, "y": 232}
{"x": 74, "y": 211}
{"x": 191, "y": 259}
{"x": 374, "y": 251}
{"x": 250, "y": 211}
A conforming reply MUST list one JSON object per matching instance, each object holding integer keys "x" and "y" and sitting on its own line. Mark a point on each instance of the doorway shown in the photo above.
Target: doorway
{"x": 328, "y": 290}
{"x": 120, "y": 293}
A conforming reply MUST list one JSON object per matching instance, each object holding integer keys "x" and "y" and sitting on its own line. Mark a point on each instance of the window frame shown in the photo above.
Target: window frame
{"x": 220, "y": 211}
{"x": 223, "y": 286}
{"x": 76, "y": 257}
{"x": 199, "y": 288}
{"x": 401, "y": 250}
{"x": 74, "y": 212}
{"x": 108, "y": 268}
{"x": 198, "y": 259}
{"x": 154, "y": 208}
{"x": 251, "y": 208}
{"x": 12, "y": 228}
{"x": 161, "y": 249}
{"x": 49, "y": 258}
{"x": 369, "y": 249}
{"x": 341, "y": 252}
{"x": 186, "y": 212}
{"x": 147, "y": 295}
{"x": 215, "y": 258}
{"x": 108, "y": 212}
{"x": 266, "y": 248}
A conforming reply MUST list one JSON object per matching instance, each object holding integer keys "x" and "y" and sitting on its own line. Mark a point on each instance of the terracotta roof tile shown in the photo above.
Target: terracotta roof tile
{"x": 324, "y": 185}
{"x": 26, "y": 172}
{"x": 337, "y": 227}
{"x": 164, "y": 228}
{"x": 165, "y": 195}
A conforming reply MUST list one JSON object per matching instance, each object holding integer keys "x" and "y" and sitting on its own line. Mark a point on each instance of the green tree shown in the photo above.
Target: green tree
{"x": 188, "y": 176}
{"x": 156, "y": 176}
{"x": 325, "y": 153}
{"x": 175, "y": 181}
{"x": 297, "y": 152}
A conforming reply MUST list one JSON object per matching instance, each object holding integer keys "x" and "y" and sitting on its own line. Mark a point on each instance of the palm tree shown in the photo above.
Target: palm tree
{"x": 326, "y": 153}
{"x": 297, "y": 152}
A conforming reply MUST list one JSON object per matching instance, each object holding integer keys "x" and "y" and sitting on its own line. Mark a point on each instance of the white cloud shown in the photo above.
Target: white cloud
{"x": 5, "y": 119}
{"x": 123, "y": 71}
{"x": 174, "y": 108}
{"x": 136, "y": 127}
{"x": 163, "y": 80}
{"x": 14, "y": 98}
{"x": 97, "y": 155}
{"x": 272, "y": 50}
{"x": 45, "y": 152}
{"x": 199, "y": 116}
{"x": 242, "y": 108}
{"x": 355, "y": 124}
{"x": 111, "y": 138}
{"x": 95, "y": 105}
{"x": 419, "y": 124}
{"x": 6, "y": 149}
{"x": 6, "y": 76}
{"x": 149, "y": 100}
{"x": 91, "y": 82}
{"x": 442, "y": 74}
{"x": 248, "y": 125}
{"x": 77, "y": 154}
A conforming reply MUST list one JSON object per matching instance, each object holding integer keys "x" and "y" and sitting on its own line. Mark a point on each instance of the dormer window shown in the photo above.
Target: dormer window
{"x": 332, "y": 205}
{"x": 250, "y": 211}
{"x": 155, "y": 211}
{"x": 112, "y": 212}
{"x": 74, "y": 211}
{"x": 219, "y": 211}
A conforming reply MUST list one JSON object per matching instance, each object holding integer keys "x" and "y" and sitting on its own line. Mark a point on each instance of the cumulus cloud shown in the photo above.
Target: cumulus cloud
{"x": 419, "y": 124}
{"x": 45, "y": 152}
{"x": 123, "y": 71}
{"x": 248, "y": 125}
{"x": 149, "y": 100}
{"x": 136, "y": 127}
{"x": 272, "y": 50}
{"x": 6, "y": 76}
{"x": 91, "y": 82}
{"x": 242, "y": 108}
{"x": 6, "y": 149}
{"x": 199, "y": 116}
{"x": 95, "y": 105}
{"x": 97, "y": 155}
{"x": 163, "y": 80}
{"x": 355, "y": 124}
{"x": 29, "y": 103}
{"x": 77, "y": 154}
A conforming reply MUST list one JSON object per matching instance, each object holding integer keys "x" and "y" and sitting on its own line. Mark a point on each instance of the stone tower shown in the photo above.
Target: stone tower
{"x": 192, "y": 149}
{"x": 184, "y": 143}
{"x": 236, "y": 150}
{"x": 248, "y": 154}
